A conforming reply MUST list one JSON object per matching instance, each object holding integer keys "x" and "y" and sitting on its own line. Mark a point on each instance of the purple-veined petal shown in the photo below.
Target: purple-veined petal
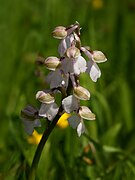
{"x": 74, "y": 121}
{"x": 70, "y": 104}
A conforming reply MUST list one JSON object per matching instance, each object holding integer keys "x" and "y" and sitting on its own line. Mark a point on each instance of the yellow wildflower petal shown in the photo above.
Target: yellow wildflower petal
{"x": 63, "y": 122}
{"x": 97, "y": 4}
{"x": 34, "y": 138}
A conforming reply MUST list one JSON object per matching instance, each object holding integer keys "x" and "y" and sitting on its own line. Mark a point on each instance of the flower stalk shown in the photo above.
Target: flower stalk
{"x": 47, "y": 132}
{"x": 63, "y": 79}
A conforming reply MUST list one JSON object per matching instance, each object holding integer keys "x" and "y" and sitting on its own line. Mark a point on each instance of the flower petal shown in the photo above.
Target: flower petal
{"x": 29, "y": 113}
{"x": 87, "y": 52}
{"x": 44, "y": 97}
{"x": 56, "y": 79}
{"x": 73, "y": 52}
{"x": 74, "y": 121}
{"x": 59, "y": 32}
{"x": 70, "y": 104}
{"x": 63, "y": 120}
{"x": 81, "y": 93}
{"x": 29, "y": 125}
{"x": 86, "y": 113}
{"x": 48, "y": 110}
{"x": 52, "y": 63}
{"x": 65, "y": 44}
{"x": 72, "y": 28}
{"x": 75, "y": 66}
{"x": 98, "y": 57}
{"x": 80, "y": 128}
{"x": 67, "y": 66}
{"x": 37, "y": 123}
{"x": 79, "y": 65}
{"x": 62, "y": 47}
{"x": 93, "y": 70}
{"x": 34, "y": 138}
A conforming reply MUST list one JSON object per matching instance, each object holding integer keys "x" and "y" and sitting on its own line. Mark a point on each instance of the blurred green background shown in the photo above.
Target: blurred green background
{"x": 25, "y": 31}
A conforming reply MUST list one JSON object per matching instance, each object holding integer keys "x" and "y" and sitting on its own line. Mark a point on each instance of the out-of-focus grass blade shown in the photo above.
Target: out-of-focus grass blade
{"x": 111, "y": 135}
{"x": 126, "y": 105}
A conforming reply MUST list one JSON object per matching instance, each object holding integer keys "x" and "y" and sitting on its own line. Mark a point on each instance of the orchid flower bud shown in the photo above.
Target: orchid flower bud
{"x": 44, "y": 97}
{"x": 86, "y": 113}
{"x": 81, "y": 93}
{"x": 59, "y": 32}
{"x": 73, "y": 52}
{"x": 98, "y": 57}
{"x": 52, "y": 63}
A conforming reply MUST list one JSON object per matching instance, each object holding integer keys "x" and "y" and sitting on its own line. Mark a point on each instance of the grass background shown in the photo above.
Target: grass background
{"x": 25, "y": 31}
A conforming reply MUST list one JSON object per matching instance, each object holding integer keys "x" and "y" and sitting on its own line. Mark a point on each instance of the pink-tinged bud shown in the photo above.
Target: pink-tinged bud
{"x": 98, "y": 57}
{"x": 52, "y": 63}
{"x": 73, "y": 52}
{"x": 81, "y": 93}
{"x": 59, "y": 32}
{"x": 86, "y": 113}
{"x": 43, "y": 97}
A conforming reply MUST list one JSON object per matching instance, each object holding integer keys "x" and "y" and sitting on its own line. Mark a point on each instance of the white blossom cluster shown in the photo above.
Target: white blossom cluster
{"x": 64, "y": 78}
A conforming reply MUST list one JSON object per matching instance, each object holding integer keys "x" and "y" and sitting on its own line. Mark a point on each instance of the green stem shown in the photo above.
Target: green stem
{"x": 32, "y": 172}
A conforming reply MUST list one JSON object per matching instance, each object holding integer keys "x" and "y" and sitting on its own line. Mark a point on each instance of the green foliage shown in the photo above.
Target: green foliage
{"x": 109, "y": 150}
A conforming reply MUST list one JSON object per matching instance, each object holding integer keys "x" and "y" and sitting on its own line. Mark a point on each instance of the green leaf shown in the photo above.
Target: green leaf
{"x": 111, "y": 149}
{"x": 110, "y": 136}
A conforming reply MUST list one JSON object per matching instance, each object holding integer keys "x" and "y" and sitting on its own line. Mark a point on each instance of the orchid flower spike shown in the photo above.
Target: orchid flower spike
{"x": 64, "y": 79}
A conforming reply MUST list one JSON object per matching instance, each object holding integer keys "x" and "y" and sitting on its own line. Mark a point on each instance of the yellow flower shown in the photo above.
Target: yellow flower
{"x": 63, "y": 122}
{"x": 97, "y": 4}
{"x": 34, "y": 138}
